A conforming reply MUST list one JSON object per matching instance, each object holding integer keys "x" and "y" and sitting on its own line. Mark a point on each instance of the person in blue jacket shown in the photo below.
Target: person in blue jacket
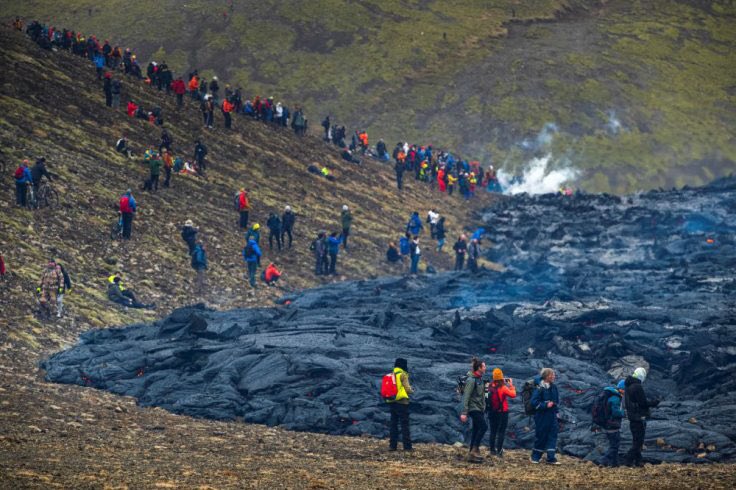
{"x": 252, "y": 256}
{"x": 414, "y": 226}
{"x": 545, "y": 401}
{"x": 199, "y": 264}
{"x": 333, "y": 247}
{"x": 99, "y": 61}
{"x": 612, "y": 428}
{"x": 23, "y": 177}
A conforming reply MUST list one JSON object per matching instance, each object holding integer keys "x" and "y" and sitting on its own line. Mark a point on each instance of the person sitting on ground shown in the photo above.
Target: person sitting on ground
{"x": 271, "y": 275}
{"x": 189, "y": 235}
{"x": 347, "y": 155}
{"x": 122, "y": 296}
{"x": 122, "y": 147}
{"x": 392, "y": 254}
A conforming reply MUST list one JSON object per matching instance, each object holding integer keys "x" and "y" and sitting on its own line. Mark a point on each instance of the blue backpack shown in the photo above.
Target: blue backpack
{"x": 404, "y": 245}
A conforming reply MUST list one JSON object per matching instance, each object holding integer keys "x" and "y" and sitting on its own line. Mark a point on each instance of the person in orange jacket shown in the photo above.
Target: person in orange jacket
{"x": 243, "y": 207}
{"x": 168, "y": 161}
{"x": 499, "y": 391}
{"x": 227, "y": 109}
{"x": 132, "y": 108}
{"x": 271, "y": 275}
{"x": 194, "y": 87}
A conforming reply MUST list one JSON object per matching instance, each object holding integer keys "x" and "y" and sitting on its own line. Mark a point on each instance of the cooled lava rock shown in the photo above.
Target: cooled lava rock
{"x": 595, "y": 286}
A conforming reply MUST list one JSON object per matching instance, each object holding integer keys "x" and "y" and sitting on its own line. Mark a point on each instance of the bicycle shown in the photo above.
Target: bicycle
{"x": 116, "y": 231}
{"x": 31, "y": 201}
{"x": 47, "y": 196}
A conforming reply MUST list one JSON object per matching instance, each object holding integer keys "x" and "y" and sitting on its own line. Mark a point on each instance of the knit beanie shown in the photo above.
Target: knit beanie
{"x": 497, "y": 375}
{"x": 640, "y": 373}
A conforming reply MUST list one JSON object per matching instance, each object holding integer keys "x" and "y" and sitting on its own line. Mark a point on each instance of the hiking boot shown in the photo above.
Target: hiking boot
{"x": 391, "y": 448}
{"x": 499, "y": 453}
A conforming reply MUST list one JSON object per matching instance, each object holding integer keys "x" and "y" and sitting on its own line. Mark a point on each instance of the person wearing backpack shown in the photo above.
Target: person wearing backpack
{"x": 499, "y": 391}
{"x": 333, "y": 248}
{"x": 252, "y": 256}
{"x": 319, "y": 248}
{"x": 474, "y": 406}
{"x": 23, "y": 177}
{"x": 274, "y": 230}
{"x": 243, "y": 207}
{"x": 440, "y": 234}
{"x": 127, "y": 208}
{"x": 199, "y": 264}
{"x": 607, "y": 414}
{"x": 638, "y": 410}
{"x": 399, "y": 407}
{"x": 544, "y": 402}
{"x": 287, "y": 224}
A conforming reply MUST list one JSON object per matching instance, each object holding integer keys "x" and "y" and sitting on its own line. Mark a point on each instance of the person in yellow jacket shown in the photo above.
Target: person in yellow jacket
{"x": 451, "y": 180}
{"x": 400, "y": 407}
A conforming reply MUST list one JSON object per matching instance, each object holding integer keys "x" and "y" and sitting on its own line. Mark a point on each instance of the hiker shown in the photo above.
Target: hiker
{"x": 392, "y": 254}
{"x": 287, "y": 224}
{"x": 460, "y": 248}
{"x": 274, "y": 230}
{"x": 348, "y": 156}
{"x": 399, "y": 407}
{"x": 474, "y": 406}
{"x": 333, "y": 247}
{"x": 432, "y": 218}
{"x": 326, "y": 125}
{"x": 50, "y": 287}
{"x": 99, "y": 62}
{"x": 115, "y": 90}
{"x": 473, "y": 255}
{"x": 271, "y": 275}
{"x": 208, "y": 112}
{"x": 638, "y": 411}
{"x": 545, "y": 400}
{"x": 122, "y": 147}
{"x": 415, "y": 226}
{"x": 127, "y": 209}
{"x": 166, "y": 140}
{"x": 38, "y": 172}
{"x": 252, "y": 256}
{"x": 399, "y": 168}
{"x": 132, "y": 109}
{"x": 215, "y": 90}
{"x": 107, "y": 88}
{"x": 254, "y": 233}
{"x": 499, "y": 391}
{"x": 405, "y": 246}
{"x": 168, "y": 162}
{"x": 610, "y": 416}
{"x": 3, "y": 270}
{"x": 382, "y": 151}
{"x": 227, "y": 109}
{"x": 415, "y": 254}
{"x": 346, "y": 219}
{"x": 155, "y": 167}
{"x": 179, "y": 89}
{"x": 243, "y": 207}
{"x": 200, "y": 153}
{"x": 199, "y": 264}
{"x": 23, "y": 178}
{"x": 319, "y": 248}
{"x": 439, "y": 233}
{"x": 122, "y": 296}
{"x": 189, "y": 235}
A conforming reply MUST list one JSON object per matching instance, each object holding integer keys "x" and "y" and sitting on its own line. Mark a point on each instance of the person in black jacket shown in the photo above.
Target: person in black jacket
{"x": 274, "y": 230}
{"x": 637, "y": 410}
{"x": 460, "y": 248}
{"x": 287, "y": 224}
{"x": 38, "y": 171}
{"x": 189, "y": 235}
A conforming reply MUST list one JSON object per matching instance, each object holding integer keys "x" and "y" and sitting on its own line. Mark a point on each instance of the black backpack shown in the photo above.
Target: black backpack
{"x": 526, "y": 396}
{"x": 601, "y": 410}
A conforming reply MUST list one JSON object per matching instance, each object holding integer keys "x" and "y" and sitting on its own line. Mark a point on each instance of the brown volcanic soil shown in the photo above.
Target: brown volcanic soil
{"x": 71, "y": 437}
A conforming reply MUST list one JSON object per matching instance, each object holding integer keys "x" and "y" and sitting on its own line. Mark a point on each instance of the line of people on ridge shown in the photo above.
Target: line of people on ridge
{"x": 108, "y": 59}
{"x": 486, "y": 404}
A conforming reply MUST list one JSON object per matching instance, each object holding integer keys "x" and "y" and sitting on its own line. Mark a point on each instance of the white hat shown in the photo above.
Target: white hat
{"x": 640, "y": 373}
{"x": 188, "y": 223}
{"x": 287, "y": 208}
{"x": 344, "y": 207}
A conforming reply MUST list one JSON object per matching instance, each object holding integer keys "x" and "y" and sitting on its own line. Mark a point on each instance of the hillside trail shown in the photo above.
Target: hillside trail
{"x": 54, "y": 436}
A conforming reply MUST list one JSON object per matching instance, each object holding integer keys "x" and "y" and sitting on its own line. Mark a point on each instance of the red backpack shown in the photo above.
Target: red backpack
{"x": 389, "y": 388}
{"x": 19, "y": 173}
{"x": 125, "y": 205}
{"x": 494, "y": 399}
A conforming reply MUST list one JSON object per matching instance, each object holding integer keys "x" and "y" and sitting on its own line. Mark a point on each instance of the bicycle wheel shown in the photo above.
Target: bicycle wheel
{"x": 31, "y": 199}
{"x": 51, "y": 198}
{"x": 115, "y": 231}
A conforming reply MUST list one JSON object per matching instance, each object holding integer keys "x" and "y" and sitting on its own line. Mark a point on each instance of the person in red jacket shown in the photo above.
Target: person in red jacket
{"x": 132, "y": 108}
{"x": 179, "y": 89}
{"x": 499, "y": 391}
{"x": 227, "y": 109}
{"x": 243, "y": 207}
{"x": 271, "y": 275}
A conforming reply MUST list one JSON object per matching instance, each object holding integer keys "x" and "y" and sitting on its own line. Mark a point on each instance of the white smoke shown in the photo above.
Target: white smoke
{"x": 613, "y": 125}
{"x": 537, "y": 177}
{"x": 542, "y": 140}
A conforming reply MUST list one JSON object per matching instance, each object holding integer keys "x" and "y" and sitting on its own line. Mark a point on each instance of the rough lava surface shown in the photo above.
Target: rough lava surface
{"x": 595, "y": 285}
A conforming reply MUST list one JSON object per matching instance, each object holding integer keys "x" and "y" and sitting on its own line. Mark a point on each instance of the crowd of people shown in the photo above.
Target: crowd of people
{"x": 485, "y": 404}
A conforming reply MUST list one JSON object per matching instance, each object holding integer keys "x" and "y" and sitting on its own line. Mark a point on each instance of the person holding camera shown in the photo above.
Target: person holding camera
{"x": 474, "y": 405}
{"x": 499, "y": 391}
{"x": 637, "y": 410}
{"x": 545, "y": 401}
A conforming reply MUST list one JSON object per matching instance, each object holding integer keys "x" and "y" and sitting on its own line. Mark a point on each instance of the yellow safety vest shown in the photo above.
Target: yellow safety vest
{"x": 111, "y": 280}
{"x": 401, "y": 393}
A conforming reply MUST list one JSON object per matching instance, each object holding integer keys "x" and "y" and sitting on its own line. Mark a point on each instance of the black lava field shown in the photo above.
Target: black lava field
{"x": 594, "y": 286}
